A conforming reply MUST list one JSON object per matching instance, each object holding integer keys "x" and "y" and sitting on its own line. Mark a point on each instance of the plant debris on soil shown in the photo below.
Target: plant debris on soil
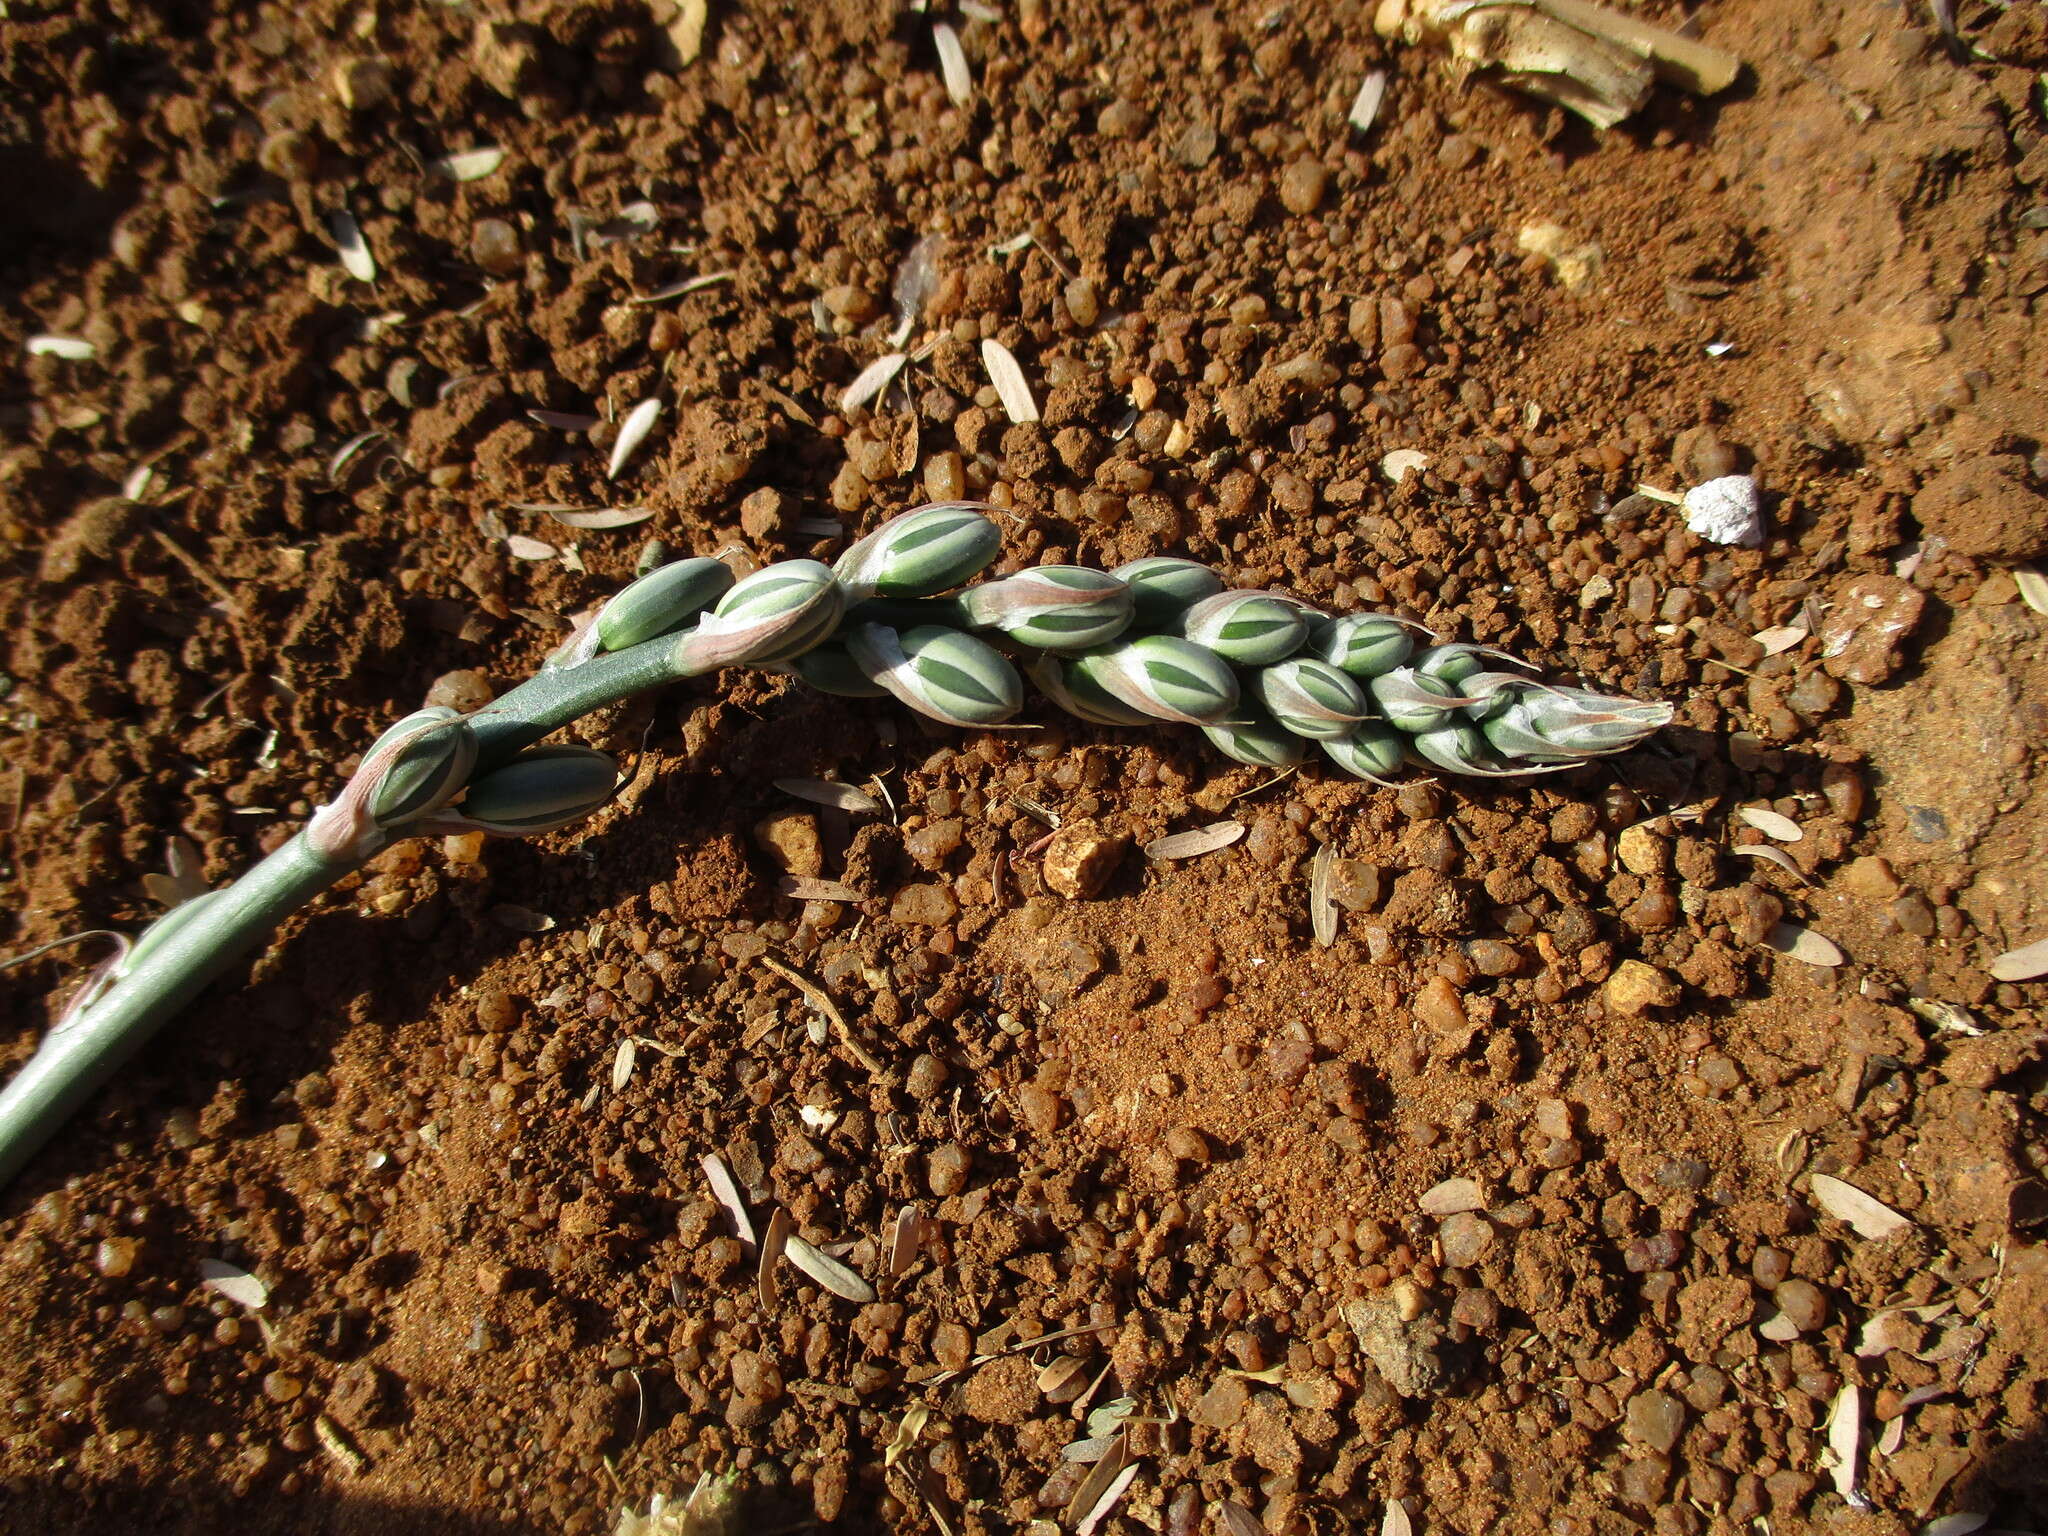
{"x": 1653, "y": 1146}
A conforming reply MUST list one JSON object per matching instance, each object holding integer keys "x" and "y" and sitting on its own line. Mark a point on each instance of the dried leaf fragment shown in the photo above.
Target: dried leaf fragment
{"x": 520, "y": 919}
{"x": 632, "y": 433}
{"x": 905, "y": 1238}
{"x": 1403, "y": 462}
{"x": 1845, "y": 1440}
{"x": 1946, "y": 1015}
{"x": 677, "y": 289}
{"x": 1107, "y": 1471}
{"x": 1107, "y": 1501}
{"x": 622, "y": 1064}
{"x": 73, "y": 349}
{"x": 1396, "y": 1522}
{"x": 1865, "y": 1214}
{"x": 1191, "y": 845}
{"x": 564, "y": 421}
{"x": 1322, "y": 907}
{"x": 727, "y": 1193}
{"x": 1798, "y": 942}
{"x": 520, "y": 547}
{"x": 2033, "y": 584}
{"x": 828, "y": 1271}
{"x": 470, "y": 164}
{"x": 773, "y": 1247}
{"x": 907, "y": 1430}
{"x": 1769, "y": 855}
{"x": 2022, "y": 964}
{"x": 599, "y": 519}
{"x": 1365, "y": 106}
{"x": 354, "y": 250}
{"x": 811, "y": 888}
{"x": 1771, "y": 823}
{"x": 953, "y": 64}
{"x": 872, "y": 380}
{"x": 841, "y": 797}
{"x": 1007, "y": 375}
{"x": 233, "y": 1282}
{"x": 1780, "y": 638}
{"x": 335, "y": 1444}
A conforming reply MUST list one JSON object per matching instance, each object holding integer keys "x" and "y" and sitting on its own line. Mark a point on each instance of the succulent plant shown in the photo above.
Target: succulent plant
{"x": 1247, "y": 629}
{"x": 920, "y": 554}
{"x": 1051, "y": 607}
{"x": 943, "y": 673}
{"x": 1163, "y": 587}
{"x": 1155, "y": 639}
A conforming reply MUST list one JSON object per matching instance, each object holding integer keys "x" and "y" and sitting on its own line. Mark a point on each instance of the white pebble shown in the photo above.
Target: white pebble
{"x": 1725, "y": 511}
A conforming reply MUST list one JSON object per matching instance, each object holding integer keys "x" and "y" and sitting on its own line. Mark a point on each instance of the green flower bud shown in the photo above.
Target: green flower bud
{"x": 940, "y": 672}
{"x": 1371, "y": 751}
{"x": 922, "y": 553}
{"x": 539, "y": 790}
{"x": 1311, "y": 698}
{"x": 1414, "y": 702}
{"x": 1165, "y": 677}
{"x": 1543, "y": 724}
{"x": 428, "y": 758}
{"x": 1364, "y": 644}
{"x": 1250, "y": 629}
{"x": 1067, "y": 684}
{"x": 778, "y": 612}
{"x": 1164, "y": 587}
{"x": 829, "y": 669}
{"x": 1052, "y": 608}
{"x": 1456, "y": 746}
{"x": 1458, "y": 664}
{"x": 662, "y": 602}
{"x": 1257, "y": 741}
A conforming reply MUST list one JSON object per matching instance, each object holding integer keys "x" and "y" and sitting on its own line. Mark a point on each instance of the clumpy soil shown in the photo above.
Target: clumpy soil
{"x": 1511, "y": 1204}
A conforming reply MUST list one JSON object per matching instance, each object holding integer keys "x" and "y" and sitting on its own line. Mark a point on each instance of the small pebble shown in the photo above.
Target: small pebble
{"x": 1803, "y": 1304}
{"x": 1301, "y": 186}
{"x": 494, "y": 246}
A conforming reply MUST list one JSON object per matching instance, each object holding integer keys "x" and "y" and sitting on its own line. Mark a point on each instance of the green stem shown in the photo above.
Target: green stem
{"x": 75, "y": 1060}
{"x": 547, "y": 701}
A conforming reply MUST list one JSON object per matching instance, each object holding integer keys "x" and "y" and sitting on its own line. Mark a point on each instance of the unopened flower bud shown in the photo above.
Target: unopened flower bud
{"x": 920, "y": 554}
{"x": 1258, "y": 741}
{"x": 1545, "y": 724}
{"x": 1364, "y": 644}
{"x": 1311, "y": 698}
{"x": 1163, "y": 587}
{"x": 940, "y": 672}
{"x": 1250, "y": 629}
{"x": 1165, "y": 677}
{"x": 1371, "y": 751}
{"x": 430, "y": 754}
{"x": 539, "y": 790}
{"x": 1414, "y": 702}
{"x": 1052, "y": 607}
{"x": 830, "y": 669}
{"x": 1456, "y": 746}
{"x": 778, "y": 612}
{"x": 1458, "y": 663}
{"x": 1068, "y": 685}
{"x": 662, "y": 602}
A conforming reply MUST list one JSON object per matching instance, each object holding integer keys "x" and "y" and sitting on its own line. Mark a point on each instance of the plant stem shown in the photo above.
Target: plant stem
{"x": 547, "y": 701}
{"x": 86, "y": 1051}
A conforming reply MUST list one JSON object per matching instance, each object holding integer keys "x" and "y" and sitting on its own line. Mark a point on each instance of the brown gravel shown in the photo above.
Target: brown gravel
{"x": 1129, "y": 1104}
